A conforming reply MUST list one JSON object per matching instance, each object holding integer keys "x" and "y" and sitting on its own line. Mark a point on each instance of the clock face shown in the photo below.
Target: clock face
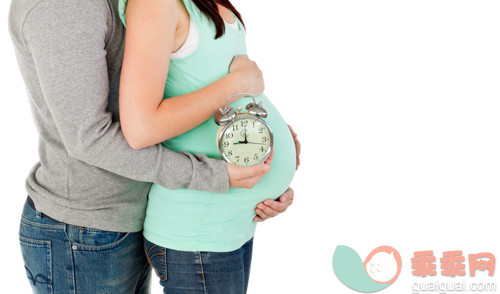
{"x": 246, "y": 141}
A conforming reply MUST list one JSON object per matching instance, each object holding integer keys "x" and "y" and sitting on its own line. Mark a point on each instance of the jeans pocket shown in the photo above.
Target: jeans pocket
{"x": 37, "y": 255}
{"x": 157, "y": 258}
{"x": 95, "y": 240}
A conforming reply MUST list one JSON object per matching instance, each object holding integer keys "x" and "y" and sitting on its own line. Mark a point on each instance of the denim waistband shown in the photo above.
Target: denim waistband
{"x": 32, "y": 205}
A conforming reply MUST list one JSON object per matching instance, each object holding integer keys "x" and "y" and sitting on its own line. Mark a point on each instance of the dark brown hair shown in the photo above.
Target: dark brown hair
{"x": 209, "y": 9}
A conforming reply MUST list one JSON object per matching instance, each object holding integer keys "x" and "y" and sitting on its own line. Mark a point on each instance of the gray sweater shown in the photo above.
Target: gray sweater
{"x": 70, "y": 53}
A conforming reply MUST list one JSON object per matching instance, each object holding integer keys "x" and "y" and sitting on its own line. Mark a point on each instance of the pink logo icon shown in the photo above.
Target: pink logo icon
{"x": 383, "y": 264}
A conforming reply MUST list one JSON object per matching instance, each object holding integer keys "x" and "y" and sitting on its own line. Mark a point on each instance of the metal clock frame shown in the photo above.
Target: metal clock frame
{"x": 241, "y": 116}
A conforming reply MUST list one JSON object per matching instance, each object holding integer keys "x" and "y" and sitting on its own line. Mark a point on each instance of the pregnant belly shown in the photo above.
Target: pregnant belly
{"x": 195, "y": 220}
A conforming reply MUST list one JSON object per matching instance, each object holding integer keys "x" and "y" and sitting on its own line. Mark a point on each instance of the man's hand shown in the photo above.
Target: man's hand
{"x": 271, "y": 208}
{"x": 247, "y": 177}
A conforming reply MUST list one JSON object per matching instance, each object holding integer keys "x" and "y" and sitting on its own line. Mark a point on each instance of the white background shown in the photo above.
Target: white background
{"x": 396, "y": 104}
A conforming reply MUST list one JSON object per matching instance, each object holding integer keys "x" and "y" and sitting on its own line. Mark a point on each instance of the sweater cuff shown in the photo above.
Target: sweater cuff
{"x": 209, "y": 175}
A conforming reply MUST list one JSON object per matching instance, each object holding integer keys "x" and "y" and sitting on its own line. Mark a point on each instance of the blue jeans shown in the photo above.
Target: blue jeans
{"x": 62, "y": 258}
{"x": 201, "y": 272}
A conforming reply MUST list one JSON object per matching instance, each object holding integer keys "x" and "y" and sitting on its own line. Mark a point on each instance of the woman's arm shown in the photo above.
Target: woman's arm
{"x": 147, "y": 119}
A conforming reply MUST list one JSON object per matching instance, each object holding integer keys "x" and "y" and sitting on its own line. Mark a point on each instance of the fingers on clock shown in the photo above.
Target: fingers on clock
{"x": 251, "y": 181}
{"x": 252, "y": 172}
{"x": 269, "y": 160}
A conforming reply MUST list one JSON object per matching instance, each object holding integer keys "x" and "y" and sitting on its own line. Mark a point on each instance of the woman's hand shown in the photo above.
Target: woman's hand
{"x": 247, "y": 177}
{"x": 271, "y": 208}
{"x": 297, "y": 146}
{"x": 248, "y": 73}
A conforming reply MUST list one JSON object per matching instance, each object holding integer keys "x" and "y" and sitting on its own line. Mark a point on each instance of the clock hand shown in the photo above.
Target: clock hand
{"x": 243, "y": 142}
{"x": 246, "y": 141}
{"x": 255, "y": 143}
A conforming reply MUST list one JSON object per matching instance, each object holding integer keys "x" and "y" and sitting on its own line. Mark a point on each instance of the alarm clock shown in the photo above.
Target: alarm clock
{"x": 243, "y": 138}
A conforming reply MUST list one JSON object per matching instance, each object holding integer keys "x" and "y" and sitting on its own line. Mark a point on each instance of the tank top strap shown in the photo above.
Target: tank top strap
{"x": 204, "y": 25}
{"x": 189, "y": 6}
{"x": 194, "y": 12}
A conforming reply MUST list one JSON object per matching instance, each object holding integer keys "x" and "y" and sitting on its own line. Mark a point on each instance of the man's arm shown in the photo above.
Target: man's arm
{"x": 67, "y": 43}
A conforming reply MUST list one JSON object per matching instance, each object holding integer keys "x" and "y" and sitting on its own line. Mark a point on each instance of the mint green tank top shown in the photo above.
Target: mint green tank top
{"x": 189, "y": 220}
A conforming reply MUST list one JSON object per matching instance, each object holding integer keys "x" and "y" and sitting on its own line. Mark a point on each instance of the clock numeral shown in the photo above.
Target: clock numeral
{"x": 261, "y": 130}
{"x": 253, "y": 124}
{"x": 261, "y": 148}
{"x": 235, "y": 128}
{"x": 226, "y": 144}
{"x": 244, "y": 123}
{"x": 237, "y": 158}
{"x": 229, "y": 135}
{"x": 246, "y": 160}
{"x": 255, "y": 157}
{"x": 264, "y": 139}
{"x": 230, "y": 153}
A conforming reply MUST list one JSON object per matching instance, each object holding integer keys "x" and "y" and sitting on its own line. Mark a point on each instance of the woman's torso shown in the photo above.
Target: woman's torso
{"x": 200, "y": 221}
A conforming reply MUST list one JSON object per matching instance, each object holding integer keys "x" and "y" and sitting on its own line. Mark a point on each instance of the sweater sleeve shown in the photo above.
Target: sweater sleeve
{"x": 67, "y": 42}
